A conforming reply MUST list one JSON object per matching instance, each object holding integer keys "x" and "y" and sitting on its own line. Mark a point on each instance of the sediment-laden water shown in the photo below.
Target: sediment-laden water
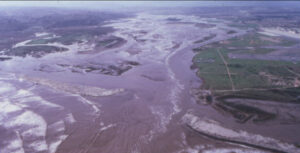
{"x": 47, "y": 107}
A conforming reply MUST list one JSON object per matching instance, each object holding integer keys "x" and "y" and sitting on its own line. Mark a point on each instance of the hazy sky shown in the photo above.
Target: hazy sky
{"x": 126, "y": 4}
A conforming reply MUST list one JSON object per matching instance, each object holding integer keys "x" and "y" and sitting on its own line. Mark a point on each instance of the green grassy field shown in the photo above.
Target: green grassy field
{"x": 34, "y": 51}
{"x": 243, "y": 25}
{"x": 251, "y": 78}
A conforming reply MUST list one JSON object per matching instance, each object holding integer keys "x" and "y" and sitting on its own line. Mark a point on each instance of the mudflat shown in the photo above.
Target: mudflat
{"x": 148, "y": 82}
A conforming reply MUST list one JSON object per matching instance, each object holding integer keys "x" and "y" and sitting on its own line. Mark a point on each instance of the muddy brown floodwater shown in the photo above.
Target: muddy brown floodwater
{"x": 46, "y": 107}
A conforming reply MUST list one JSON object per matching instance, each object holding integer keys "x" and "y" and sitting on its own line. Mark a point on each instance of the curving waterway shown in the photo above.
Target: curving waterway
{"x": 139, "y": 111}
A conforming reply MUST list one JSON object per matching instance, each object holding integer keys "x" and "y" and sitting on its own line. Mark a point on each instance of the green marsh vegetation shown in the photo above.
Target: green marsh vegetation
{"x": 251, "y": 78}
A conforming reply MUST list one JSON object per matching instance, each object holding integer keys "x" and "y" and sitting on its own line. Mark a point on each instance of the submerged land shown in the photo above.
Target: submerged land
{"x": 198, "y": 79}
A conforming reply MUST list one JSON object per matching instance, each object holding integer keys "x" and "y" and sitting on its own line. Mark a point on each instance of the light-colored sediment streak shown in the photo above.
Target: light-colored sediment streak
{"x": 215, "y": 129}
{"x": 70, "y": 119}
{"x": 95, "y": 107}
{"x": 75, "y": 47}
{"x": 228, "y": 150}
{"x": 17, "y": 107}
{"x": 212, "y": 149}
{"x": 277, "y": 31}
{"x": 77, "y": 91}
{"x": 107, "y": 127}
{"x": 24, "y": 96}
{"x": 59, "y": 128}
{"x": 15, "y": 145}
{"x": 208, "y": 148}
{"x": 28, "y": 124}
{"x": 41, "y": 34}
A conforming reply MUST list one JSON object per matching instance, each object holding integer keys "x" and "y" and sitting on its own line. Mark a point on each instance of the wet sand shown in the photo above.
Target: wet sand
{"x": 144, "y": 115}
